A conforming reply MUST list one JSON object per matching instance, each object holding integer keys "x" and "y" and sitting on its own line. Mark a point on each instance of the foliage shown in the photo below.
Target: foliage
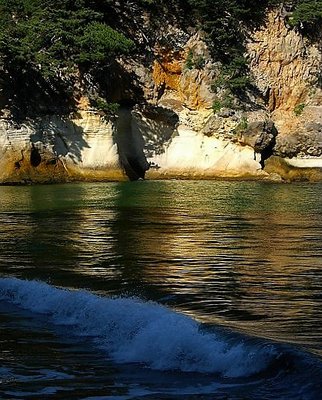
{"x": 104, "y": 106}
{"x": 298, "y": 109}
{"x": 225, "y": 101}
{"x": 234, "y": 76}
{"x": 49, "y": 35}
{"x": 194, "y": 60}
{"x": 217, "y": 105}
{"x": 242, "y": 125}
{"x": 189, "y": 60}
{"x": 224, "y": 22}
{"x": 99, "y": 42}
{"x": 307, "y": 14}
{"x": 199, "y": 62}
{"x": 46, "y": 46}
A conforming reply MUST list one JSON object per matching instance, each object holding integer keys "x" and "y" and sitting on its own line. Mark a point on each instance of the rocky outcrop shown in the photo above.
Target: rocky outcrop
{"x": 190, "y": 148}
{"x": 166, "y": 126}
{"x": 286, "y": 68}
{"x": 185, "y": 75}
{"x": 261, "y": 136}
{"x": 55, "y": 149}
{"x": 284, "y": 64}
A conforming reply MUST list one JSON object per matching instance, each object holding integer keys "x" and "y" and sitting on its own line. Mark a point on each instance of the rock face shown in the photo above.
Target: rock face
{"x": 284, "y": 64}
{"x": 55, "y": 149}
{"x": 185, "y": 75}
{"x": 261, "y": 136}
{"x": 166, "y": 126}
{"x": 286, "y": 68}
{"x": 183, "y": 150}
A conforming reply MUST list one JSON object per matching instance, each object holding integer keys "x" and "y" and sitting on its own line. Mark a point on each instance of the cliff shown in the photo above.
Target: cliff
{"x": 167, "y": 125}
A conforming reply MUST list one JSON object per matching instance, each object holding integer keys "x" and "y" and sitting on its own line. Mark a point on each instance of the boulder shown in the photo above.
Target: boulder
{"x": 260, "y": 135}
{"x": 305, "y": 142}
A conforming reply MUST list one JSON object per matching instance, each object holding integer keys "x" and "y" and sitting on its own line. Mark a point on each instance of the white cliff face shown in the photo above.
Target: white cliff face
{"x": 183, "y": 150}
{"x": 99, "y": 149}
{"x": 193, "y": 153}
{"x": 59, "y": 149}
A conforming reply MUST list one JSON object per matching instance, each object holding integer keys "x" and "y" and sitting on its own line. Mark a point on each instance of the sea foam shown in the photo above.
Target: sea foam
{"x": 131, "y": 330}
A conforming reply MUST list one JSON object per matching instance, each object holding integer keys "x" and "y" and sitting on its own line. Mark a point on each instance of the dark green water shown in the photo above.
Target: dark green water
{"x": 242, "y": 255}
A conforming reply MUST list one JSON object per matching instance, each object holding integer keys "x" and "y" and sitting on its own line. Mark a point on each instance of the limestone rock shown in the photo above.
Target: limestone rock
{"x": 306, "y": 143}
{"x": 284, "y": 64}
{"x": 188, "y": 84}
{"x": 295, "y": 169}
{"x": 155, "y": 125}
{"x": 260, "y": 135}
{"x": 55, "y": 149}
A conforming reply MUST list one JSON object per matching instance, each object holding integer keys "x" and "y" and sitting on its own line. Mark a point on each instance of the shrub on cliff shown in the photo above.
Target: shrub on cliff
{"x": 226, "y": 23}
{"x": 50, "y": 35}
{"x": 44, "y": 44}
{"x": 99, "y": 42}
{"x": 307, "y": 14}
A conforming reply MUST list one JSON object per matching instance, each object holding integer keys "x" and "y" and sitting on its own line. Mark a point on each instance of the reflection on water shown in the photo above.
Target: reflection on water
{"x": 245, "y": 255}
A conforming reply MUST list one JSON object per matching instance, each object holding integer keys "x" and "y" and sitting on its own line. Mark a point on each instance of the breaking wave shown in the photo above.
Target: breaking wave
{"x": 130, "y": 330}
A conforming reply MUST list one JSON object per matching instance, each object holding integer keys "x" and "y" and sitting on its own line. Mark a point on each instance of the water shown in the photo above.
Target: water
{"x": 161, "y": 290}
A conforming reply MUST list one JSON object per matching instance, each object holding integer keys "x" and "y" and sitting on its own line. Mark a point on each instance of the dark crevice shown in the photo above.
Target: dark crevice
{"x": 35, "y": 157}
{"x": 130, "y": 146}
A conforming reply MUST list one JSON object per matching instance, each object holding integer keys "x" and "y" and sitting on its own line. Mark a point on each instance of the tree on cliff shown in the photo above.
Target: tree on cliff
{"x": 226, "y": 23}
{"x": 50, "y": 34}
{"x": 307, "y": 14}
{"x": 44, "y": 44}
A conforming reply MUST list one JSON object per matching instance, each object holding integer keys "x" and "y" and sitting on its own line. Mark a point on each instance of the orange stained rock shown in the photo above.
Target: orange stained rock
{"x": 167, "y": 74}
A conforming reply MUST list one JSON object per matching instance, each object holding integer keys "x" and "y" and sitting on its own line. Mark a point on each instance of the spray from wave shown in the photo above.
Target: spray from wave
{"x": 130, "y": 330}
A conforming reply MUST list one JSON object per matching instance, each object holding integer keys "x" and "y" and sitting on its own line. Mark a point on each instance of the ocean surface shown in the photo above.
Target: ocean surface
{"x": 161, "y": 290}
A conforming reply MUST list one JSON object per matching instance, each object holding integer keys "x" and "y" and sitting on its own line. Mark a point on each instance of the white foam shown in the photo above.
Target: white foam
{"x": 131, "y": 330}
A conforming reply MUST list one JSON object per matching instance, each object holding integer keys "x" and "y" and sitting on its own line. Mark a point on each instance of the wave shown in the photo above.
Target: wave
{"x": 130, "y": 330}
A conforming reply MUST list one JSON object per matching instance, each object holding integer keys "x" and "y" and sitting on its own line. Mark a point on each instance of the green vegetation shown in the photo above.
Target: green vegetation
{"x": 234, "y": 76}
{"x": 299, "y": 109}
{"x": 48, "y": 35}
{"x": 105, "y": 107}
{"x": 242, "y": 125}
{"x": 189, "y": 60}
{"x": 196, "y": 61}
{"x": 225, "y": 101}
{"x": 217, "y": 105}
{"x": 48, "y": 46}
{"x": 224, "y": 22}
{"x": 307, "y": 14}
{"x": 99, "y": 42}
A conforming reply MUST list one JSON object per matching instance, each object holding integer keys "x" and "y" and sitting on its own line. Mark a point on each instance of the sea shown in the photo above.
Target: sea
{"x": 191, "y": 290}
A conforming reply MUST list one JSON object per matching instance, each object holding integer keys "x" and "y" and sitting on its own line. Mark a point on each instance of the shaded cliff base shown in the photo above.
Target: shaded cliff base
{"x": 276, "y": 169}
{"x": 150, "y": 144}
